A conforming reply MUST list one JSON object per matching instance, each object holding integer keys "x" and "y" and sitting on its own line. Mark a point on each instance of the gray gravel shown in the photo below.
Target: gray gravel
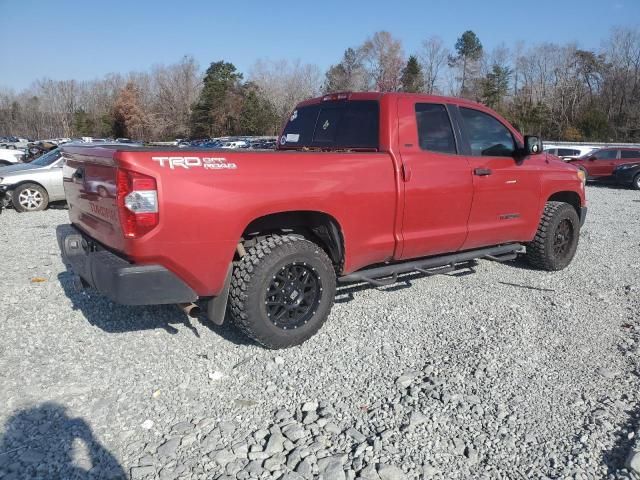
{"x": 505, "y": 373}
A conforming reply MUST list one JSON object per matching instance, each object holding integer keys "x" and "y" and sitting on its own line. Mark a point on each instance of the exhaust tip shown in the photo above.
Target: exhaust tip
{"x": 190, "y": 309}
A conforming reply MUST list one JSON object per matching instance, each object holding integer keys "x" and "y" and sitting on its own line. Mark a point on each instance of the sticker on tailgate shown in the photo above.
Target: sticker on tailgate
{"x": 208, "y": 163}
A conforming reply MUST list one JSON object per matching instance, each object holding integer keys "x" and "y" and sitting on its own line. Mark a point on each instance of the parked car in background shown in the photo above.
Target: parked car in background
{"x": 31, "y": 186}
{"x": 628, "y": 174}
{"x": 235, "y": 144}
{"x": 10, "y": 156}
{"x": 568, "y": 153}
{"x": 600, "y": 164}
{"x": 13, "y": 142}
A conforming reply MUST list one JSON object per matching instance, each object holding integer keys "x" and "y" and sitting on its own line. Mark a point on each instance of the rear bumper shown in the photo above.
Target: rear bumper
{"x": 583, "y": 215}
{"x": 116, "y": 278}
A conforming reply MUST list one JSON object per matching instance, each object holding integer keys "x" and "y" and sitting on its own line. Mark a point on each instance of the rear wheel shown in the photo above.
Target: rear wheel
{"x": 282, "y": 291}
{"x": 29, "y": 197}
{"x": 636, "y": 182}
{"x": 556, "y": 240}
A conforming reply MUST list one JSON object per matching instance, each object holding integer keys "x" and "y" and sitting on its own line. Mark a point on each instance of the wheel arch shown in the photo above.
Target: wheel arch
{"x": 568, "y": 196}
{"x": 317, "y": 226}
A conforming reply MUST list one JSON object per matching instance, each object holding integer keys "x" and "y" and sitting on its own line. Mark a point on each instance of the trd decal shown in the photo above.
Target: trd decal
{"x": 208, "y": 163}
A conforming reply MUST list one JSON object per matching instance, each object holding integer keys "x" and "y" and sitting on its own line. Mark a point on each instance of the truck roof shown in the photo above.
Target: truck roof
{"x": 346, "y": 95}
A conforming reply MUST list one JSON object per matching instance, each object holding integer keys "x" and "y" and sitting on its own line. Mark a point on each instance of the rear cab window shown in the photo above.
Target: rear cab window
{"x": 350, "y": 124}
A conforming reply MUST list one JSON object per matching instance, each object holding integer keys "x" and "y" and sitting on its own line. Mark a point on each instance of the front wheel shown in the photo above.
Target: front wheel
{"x": 636, "y": 182}
{"x": 556, "y": 240}
{"x": 29, "y": 197}
{"x": 282, "y": 290}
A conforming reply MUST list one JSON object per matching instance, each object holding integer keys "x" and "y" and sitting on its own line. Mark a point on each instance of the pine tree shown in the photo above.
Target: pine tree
{"x": 495, "y": 85}
{"x": 212, "y": 114}
{"x": 469, "y": 51}
{"x": 412, "y": 79}
{"x": 257, "y": 116}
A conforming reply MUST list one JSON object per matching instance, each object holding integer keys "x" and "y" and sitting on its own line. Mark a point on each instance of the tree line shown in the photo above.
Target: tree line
{"x": 560, "y": 92}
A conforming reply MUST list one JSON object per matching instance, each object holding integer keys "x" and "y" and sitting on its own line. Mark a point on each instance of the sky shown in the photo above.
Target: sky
{"x": 84, "y": 40}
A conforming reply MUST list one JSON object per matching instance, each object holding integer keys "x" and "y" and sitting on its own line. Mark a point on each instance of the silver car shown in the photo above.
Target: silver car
{"x": 31, "y": 186}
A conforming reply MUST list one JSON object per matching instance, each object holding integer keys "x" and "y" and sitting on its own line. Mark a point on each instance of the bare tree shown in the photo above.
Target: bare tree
{"x": 286, "y": 83}
{"x": 383, "y": 58}
{"x": 433, "y": 57}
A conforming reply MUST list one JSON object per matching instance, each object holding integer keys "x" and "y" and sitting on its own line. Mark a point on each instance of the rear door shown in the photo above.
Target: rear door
{"x": 437, "y": 180}
{"x": 506, "y": 190}
{"x": 628, "y": 156}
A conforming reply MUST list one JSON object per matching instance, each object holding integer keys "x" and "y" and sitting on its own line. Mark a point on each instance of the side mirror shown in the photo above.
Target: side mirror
{"x": 532, "y": 145}
{"x": 592, "y": 158}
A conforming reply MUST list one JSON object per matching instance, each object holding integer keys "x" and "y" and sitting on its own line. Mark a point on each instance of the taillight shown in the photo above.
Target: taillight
{"x": 137, "y": 203}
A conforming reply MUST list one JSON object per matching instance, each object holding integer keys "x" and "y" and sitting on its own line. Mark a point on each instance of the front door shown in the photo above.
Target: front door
{"x": 506, "y": 189}
{"x": 438, "y": 186}
{"x": 602, "y": 163}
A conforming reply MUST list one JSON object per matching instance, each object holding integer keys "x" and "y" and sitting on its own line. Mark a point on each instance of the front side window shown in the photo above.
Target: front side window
{"x": 488, "y": 137}
{"x": 606, "y": 155}
{"x": 434, "y": 128}
{"x": 629, "y": 153}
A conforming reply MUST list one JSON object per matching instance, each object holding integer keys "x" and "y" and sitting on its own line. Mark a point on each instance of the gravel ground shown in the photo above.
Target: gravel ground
{"x": 505, "y": 373}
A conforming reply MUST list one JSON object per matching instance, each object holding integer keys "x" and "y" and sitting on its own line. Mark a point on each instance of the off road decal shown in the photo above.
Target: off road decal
{"x": 208, "y": 163}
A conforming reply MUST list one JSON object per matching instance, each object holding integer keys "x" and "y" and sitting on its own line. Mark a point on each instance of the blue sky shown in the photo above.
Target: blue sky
{"x": 64, "y": 39}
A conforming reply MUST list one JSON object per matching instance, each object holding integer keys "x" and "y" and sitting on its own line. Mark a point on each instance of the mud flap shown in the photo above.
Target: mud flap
{"x": 217, "y": 306}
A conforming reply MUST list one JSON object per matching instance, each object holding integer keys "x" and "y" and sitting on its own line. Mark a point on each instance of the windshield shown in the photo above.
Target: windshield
{"x": 334, "y": 124}
{"x": 48, "y": 158}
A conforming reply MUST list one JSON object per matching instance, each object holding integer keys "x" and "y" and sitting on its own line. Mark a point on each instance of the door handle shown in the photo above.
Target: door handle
{"x": 481, "y": 172}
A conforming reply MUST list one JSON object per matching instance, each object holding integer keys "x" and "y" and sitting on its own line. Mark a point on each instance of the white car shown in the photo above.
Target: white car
{"x": 14, "y": 142}
{"x": 10, "y": 156}
{"x": 568, "y": 152}
{"x": 236, "y": 144}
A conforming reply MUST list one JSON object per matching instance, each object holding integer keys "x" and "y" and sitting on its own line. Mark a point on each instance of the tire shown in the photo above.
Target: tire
{"x": 636, "y": 182}
{"x": 29, "y": 197}
{"x": 282, "y": 291}
{"x": 556, "y": 240}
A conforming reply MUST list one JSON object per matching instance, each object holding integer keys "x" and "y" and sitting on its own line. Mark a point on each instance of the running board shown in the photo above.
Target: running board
{"x": 388, "y": 274}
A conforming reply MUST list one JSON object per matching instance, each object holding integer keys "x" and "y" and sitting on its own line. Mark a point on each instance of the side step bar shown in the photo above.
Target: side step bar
{"x": 388, "y": 274}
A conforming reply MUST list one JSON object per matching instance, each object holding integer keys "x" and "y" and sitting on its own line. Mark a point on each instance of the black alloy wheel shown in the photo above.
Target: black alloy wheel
{"x": 293, "y": 296}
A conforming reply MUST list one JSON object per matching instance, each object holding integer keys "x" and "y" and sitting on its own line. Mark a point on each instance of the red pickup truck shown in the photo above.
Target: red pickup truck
{"x": 362, "y": 188}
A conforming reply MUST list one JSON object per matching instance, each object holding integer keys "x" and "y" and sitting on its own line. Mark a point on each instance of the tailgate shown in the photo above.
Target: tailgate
{"x": 89, "y": 176}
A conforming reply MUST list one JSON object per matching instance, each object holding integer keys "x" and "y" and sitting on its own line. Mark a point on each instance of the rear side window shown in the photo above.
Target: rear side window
{"x": 552, "y": 151}
{"x": 488, "y": 137}
{"x": 606, "y": 155}
{"x": 339, "y": 124}
{"x": 629, "y": 153}
{"x": 568, "y": 152}
{"x": 435, "y": 133}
